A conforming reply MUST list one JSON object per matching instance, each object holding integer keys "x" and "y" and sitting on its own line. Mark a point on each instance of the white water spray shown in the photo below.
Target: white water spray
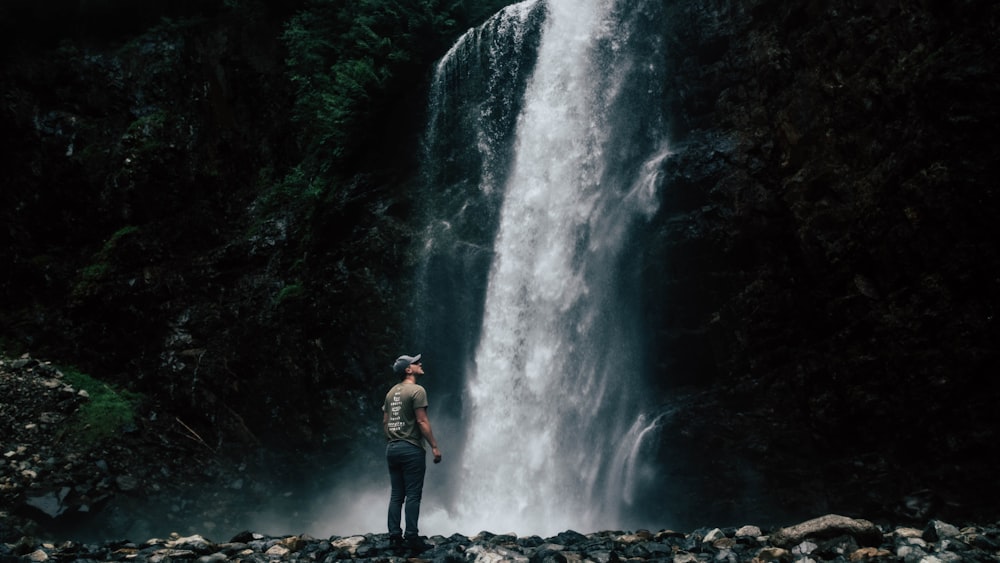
{"x": 555, "y": 384}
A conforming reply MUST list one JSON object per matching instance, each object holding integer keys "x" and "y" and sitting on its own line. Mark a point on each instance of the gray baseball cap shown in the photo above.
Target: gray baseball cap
{"x": 404, "y": 362}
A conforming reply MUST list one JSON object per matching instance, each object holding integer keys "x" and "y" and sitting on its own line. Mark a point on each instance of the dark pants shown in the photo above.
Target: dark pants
{"x": 407, "y": 465}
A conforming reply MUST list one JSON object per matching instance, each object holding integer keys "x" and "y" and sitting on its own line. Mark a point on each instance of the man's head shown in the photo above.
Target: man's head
{"x": 401, "y": 366}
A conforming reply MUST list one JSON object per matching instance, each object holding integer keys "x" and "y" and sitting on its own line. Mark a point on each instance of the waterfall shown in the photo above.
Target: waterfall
{"x": 559, "y": 163}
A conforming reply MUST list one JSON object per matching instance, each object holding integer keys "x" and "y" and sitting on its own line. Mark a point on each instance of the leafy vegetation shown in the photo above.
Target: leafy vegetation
{"x": 359, "y": 71}
{"x": 107, "y": 411}
{"x": 356, "y": 64}
{"x": 289, "y": 292}
{"x": 101, "y": 263}
{"x": 262, "y": 176}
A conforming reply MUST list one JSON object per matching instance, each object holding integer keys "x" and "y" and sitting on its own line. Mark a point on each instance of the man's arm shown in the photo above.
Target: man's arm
{"x": 425, "y": 428}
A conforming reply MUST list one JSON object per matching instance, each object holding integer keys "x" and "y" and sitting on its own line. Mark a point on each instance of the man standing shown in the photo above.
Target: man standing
{"x": 406, "y": 426}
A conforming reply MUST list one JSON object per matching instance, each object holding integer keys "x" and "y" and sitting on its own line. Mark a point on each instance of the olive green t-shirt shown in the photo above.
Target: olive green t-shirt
{"x": 401, "y": 403}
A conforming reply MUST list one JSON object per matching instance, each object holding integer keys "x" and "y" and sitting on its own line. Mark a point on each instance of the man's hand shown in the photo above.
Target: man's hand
{"x": 425, "y": 428}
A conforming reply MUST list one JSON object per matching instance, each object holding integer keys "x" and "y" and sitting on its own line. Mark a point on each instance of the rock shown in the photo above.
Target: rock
{"x": 748, "y": 532}
{"x": 295, "y": 543}
{"x": 773, "y": 554}
{"x": 670, "y": 537}
{"x": 195, "y": 543}
{"x": 23, "y": 363}
{"x": 828, "y": 526}
{"x": 497, "y": 554}
{"x": 919, "y": 505}
{"x": 907, "y": 532}
{"x": 277, "y": 550}
{"x": 245, "y": 537}
{"x": 127, "y": 483}
{"x": 603, "y": 557}
{"x": 349, "y": 544}
{"x": 49, "y": 417}
{"x": 937, "y": 530}
{"x": 570, "y": 537}
{"x": 51, "y": 503}
{"x": 724, "y": 543}
{"x": 869, "y": 553}
{"x": 713, "y": 535}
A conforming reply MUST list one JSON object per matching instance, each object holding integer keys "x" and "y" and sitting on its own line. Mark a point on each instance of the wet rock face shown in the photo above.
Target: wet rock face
{"x": 830, "y": 538}
{"x": 823, "y": 264}
{"x": 143, "y": 240}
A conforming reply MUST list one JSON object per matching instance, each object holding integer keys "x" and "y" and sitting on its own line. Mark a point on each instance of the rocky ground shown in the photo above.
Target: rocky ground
{"x": 57, "y": 481}
{"x": 828, "y": 538}
{"x": 53, "y": 480}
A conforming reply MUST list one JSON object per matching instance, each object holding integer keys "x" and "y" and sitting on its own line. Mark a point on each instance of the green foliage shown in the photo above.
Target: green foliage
{"x": 339, "y": 64}
{"x": 353, "y": 63}
{"x": 298, "y": 187}
{"x": 289, "y": 292}
{"x": 105, "y": 413}
{"x": 100, "y": 266}
{"x": 149, "y": 133}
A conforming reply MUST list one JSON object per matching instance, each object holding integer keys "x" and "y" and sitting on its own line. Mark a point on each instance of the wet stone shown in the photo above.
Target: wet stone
{"x": 600, "y": 548}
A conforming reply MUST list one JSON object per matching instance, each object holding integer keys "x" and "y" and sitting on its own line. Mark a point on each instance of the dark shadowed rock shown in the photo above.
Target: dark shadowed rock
{"x": 811, "y": 539}
{"x": 50, "y": 504}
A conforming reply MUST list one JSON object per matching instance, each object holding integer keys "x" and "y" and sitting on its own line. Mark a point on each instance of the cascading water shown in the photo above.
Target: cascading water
{"x": 553, "y": 385}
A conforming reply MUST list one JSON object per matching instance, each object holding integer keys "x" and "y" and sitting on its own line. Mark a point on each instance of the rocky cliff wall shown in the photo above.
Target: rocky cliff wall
{"x": 825, "y": 280}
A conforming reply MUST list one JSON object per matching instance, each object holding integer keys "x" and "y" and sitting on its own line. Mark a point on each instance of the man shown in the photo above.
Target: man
{"x": 406, "y": 426}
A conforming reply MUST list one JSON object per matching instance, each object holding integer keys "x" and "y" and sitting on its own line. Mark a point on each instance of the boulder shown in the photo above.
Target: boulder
{"x": 831, "y": 525}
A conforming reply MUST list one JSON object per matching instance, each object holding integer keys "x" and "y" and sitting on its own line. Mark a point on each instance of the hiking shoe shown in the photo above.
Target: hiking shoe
{"x": 396, "y": 543}
{"x": 417, "y": 544}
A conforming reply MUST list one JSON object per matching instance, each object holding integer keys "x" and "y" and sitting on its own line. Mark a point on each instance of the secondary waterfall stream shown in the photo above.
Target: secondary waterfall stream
{"x": 553, "y": 397}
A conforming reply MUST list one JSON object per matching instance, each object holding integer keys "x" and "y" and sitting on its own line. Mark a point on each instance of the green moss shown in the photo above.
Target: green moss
{"x": 126, "y": 230}
{"x": 106, "y": 412}
{"x": 95, "y": 272}
{"x": 289, "y": 292}
{"x": 92, "y": 274}
{"x": 298, "y": 189}
{"x": 150, "y": 133}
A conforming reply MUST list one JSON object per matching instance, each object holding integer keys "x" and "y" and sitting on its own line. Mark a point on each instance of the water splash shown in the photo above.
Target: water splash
{"x": 554, "y": 383}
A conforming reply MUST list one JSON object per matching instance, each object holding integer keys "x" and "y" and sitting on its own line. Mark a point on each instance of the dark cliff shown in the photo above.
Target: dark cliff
{"x": 182, "y": 218}
{"x": 821, "y": 289}
{"x": 827, "y": 259}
